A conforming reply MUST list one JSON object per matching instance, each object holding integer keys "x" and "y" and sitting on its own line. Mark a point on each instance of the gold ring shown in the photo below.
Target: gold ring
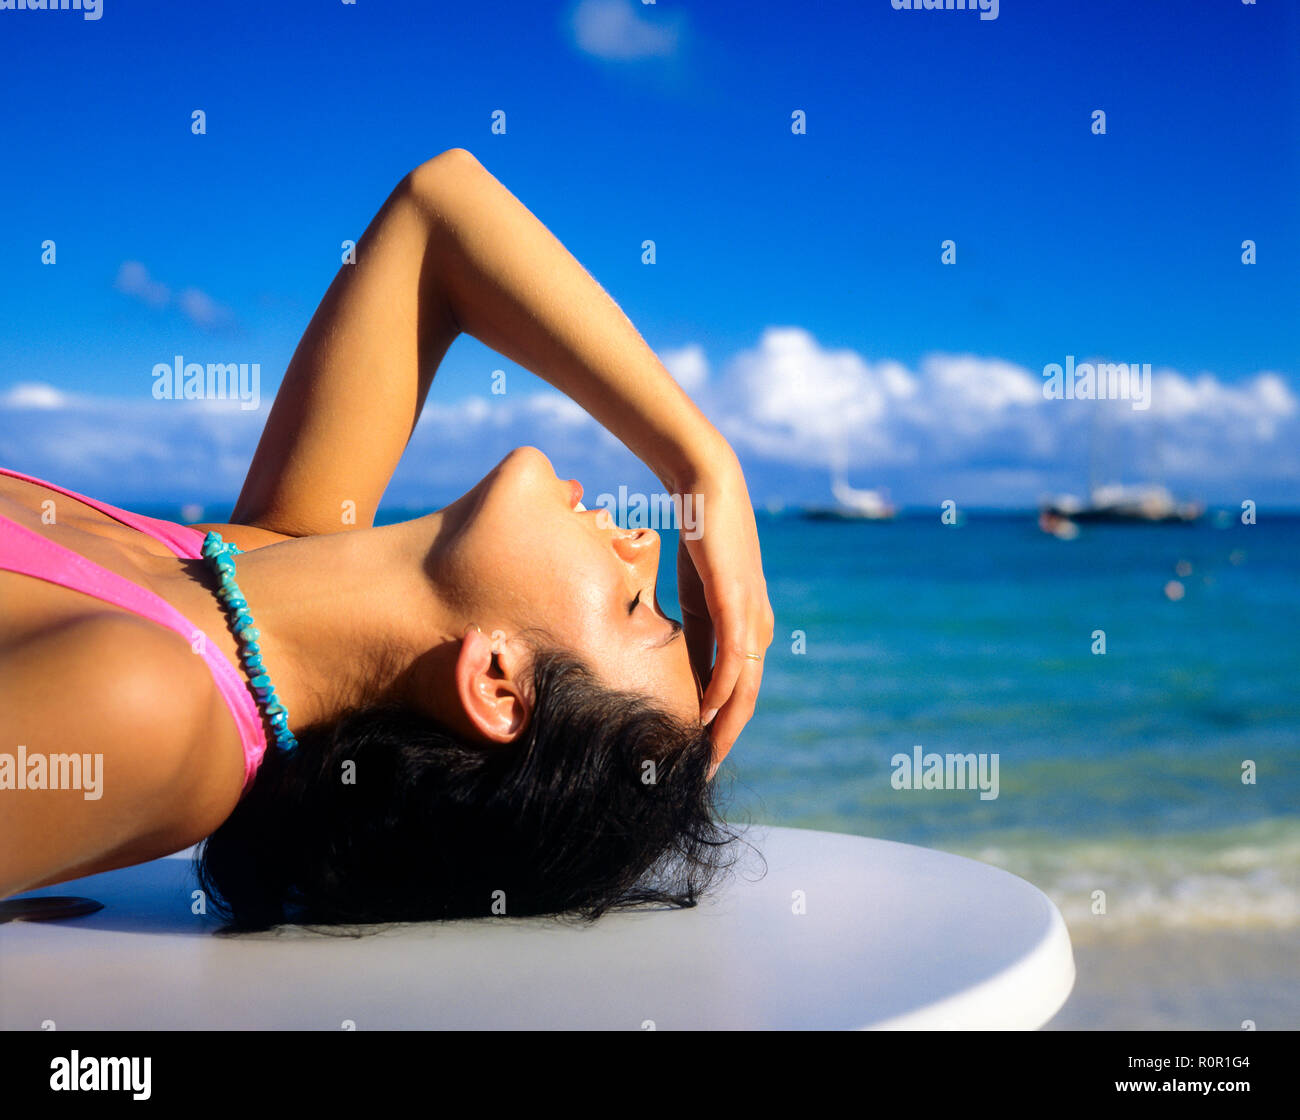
{"x": 754, "y": 656}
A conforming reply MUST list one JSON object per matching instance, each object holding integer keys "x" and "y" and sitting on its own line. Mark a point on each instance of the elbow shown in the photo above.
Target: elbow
{"x": 456, "y": 155}
{"x": 447, "y": 170}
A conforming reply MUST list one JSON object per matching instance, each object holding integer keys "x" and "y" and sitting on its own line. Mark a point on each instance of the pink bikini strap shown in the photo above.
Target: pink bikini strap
{"x": 28, "y": 553}
{"x": 180, "y": 539}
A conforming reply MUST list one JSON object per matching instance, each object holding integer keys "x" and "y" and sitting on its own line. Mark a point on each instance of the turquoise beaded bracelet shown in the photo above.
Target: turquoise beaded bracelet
{"x": 220, "y": 557}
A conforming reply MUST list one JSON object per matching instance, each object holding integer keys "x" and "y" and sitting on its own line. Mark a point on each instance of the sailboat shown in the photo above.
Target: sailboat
{"x": 852, "y": 504}
{"x": 1120, "y": 503}
{"x": 868, "y": 504}
{"x": 1114, "y": 502}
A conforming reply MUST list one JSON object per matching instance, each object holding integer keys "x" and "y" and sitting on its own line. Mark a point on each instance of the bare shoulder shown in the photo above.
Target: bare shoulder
{"x": 137, "y": 710}
{"x": 115, "y": 668}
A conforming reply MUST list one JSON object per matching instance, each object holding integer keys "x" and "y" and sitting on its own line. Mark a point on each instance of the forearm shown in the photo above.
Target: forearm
{"x": 511, "y": 284}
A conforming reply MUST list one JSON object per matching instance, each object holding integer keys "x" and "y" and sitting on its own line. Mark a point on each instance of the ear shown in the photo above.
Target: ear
{"x": 489, "y": 687}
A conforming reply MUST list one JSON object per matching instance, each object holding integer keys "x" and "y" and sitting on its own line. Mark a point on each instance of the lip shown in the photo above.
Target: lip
{"x": 575, "y": 492}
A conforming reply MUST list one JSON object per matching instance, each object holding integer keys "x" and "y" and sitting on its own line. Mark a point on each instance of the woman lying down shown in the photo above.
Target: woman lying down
{"x": 414, "y": 721}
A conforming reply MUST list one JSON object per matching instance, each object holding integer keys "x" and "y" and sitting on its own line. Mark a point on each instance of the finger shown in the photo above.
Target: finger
{"x": 738, "y": 708}
{"x": 696, "y": 622}
{"x": 741, "y": 643}
{"x": 737, "y": 712}
{"x": 699, "y": 647}
{"x": 727, "y": 669}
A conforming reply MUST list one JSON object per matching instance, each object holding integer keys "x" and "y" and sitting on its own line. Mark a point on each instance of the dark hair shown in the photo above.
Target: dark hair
{"x": 602, "y": 803}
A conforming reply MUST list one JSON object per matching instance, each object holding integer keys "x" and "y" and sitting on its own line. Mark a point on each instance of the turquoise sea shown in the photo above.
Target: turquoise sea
{"x": 1119, "y": 771}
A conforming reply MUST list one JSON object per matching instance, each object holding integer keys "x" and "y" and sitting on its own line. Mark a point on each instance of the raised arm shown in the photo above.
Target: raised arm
{"x": 358, "y": 380}
{"x": 452, "y": 250}
{"x": 514, "y": 287}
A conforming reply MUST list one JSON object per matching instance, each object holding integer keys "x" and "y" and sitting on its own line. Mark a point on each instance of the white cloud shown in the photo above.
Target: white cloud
{"x": 789, "y": 405}
{"x": 507, "y": 410}
{"x": 689, "y": 366}
{"x": 33, "y": 394}
{"x": 133, "y": 279}
{"x": 792, "y": 400}
{"x": 617, "y": 31}
{"x": 556, "y": 408}
{"x": 202, "y": 309}
{"x": 982, "y": 386}
{"x": 1256, "y": 407}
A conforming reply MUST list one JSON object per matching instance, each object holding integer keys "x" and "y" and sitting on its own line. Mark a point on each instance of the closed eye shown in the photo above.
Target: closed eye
{"x": 675, "y": 632}
{"x": 675, "y": 627}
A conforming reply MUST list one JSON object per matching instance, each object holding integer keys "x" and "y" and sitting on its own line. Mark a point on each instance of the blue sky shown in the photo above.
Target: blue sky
{"x": 798, "y": 290}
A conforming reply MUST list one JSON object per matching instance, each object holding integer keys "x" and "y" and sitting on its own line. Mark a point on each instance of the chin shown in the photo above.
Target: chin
{"x": 525, "y": 485}
{"x": 519, "y": 506}
{"x": 528, "y": 460}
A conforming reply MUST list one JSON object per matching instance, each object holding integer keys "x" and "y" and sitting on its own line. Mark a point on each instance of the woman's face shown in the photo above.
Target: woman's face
{"x": 517, "y": 553}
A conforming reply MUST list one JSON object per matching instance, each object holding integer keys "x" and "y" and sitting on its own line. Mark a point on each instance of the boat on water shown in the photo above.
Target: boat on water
{"x": 1118, "y": 504}
{"x": 852, "y": 504}
{"x": 1113, "y": 502}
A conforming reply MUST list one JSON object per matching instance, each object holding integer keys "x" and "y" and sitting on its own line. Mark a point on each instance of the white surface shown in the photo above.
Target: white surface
{"x": 894, "y": 936}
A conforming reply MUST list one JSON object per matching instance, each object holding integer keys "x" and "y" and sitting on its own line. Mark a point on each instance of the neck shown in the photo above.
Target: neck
{"x": 346, "y": 619}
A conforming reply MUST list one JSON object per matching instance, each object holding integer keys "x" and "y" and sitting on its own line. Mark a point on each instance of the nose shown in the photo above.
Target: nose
{"x": 639, "y": 548}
